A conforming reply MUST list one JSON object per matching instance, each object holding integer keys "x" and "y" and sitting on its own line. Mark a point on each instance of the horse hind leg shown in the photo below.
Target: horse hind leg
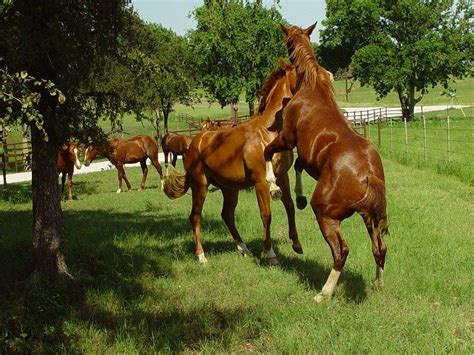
{"x": 199, "y": 192}
{"x": 332, "y": 234}
{"x": 175, "y": 158}
{"x": 376, "y": 230}
{"x": 145, "y": 173}
{"x": 301, "y": 201}
{"x": 228, "y": 215}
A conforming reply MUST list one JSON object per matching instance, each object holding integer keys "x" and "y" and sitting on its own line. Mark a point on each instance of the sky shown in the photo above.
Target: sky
{"x": 174, "y": 14}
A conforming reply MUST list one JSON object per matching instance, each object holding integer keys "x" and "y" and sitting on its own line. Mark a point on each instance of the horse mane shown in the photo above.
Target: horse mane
{"x": 309, "y": 71}
{"x": 268, "y": 85}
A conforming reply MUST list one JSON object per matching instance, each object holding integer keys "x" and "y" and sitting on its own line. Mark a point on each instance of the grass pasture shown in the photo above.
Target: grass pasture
{"x": 138, "y": 288}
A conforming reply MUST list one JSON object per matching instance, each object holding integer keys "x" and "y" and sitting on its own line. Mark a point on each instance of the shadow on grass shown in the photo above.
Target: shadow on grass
{"x": 109, "y": 271}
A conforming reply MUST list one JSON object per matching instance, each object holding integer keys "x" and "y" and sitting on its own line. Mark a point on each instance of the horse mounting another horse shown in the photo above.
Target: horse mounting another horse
{"x": 347, "y": 167}
{"x": 120, "y": 152}
{"x": 174, "y": 144}
{"x": 67, "y": 157}
{"x": 232, "y": 159}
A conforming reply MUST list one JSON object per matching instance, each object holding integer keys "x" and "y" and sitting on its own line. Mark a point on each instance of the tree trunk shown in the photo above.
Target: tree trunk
{"x": 113, "y": 122}
{"x": 157, "y": 122}
{"x": 165, "y": 120}
{"x": 48, "y": 227}
{"x": 251, "y": 108}
{"x": 25, "y": 149}
{"x": 408, "y": 103}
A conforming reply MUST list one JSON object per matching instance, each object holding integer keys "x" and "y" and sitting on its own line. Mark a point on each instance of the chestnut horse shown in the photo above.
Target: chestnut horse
{"x": 174, "y": 144}
{"x": 214, "y": 125}
{"x": 120, "y": 152}
{"x": 232, "y": 159}
{"x": 66, "y": 159}
{"x": 347, "y": 167}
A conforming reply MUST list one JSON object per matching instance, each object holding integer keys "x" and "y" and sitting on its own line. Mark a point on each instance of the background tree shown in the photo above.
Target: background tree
{"x": 235, "y": 45}
{"x": 407, "y": 46}
{"x": 53, "y": 48}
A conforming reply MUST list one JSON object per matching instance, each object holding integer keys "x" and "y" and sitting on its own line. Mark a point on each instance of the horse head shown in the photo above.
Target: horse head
{"x": 72, "y": 153}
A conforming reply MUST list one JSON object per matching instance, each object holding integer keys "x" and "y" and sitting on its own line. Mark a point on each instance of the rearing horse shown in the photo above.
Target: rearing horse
{"x": 232, "y": 159}
{"x": 347, "y": 167}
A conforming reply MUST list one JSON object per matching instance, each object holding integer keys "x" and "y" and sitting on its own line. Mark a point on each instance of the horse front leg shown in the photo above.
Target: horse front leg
{"x": 175, "y": 158}
{"x": 301, "y": 201}
{"x": 279, "y": 144}
{"x": 69, "y": 186}
{"x": 263, "y": 197}
{"x": 284, "y": 183}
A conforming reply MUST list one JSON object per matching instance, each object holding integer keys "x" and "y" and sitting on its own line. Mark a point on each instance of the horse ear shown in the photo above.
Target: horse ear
{"x": 284, "y": 29}
{"x": 310, "y": 29}
{"x": 282, "y": 63}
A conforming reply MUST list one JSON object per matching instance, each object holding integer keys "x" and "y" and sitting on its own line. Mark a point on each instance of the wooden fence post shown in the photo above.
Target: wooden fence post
{"x": 4, "y": 155}
{"x": 448, "y": 143}
{"x": 379, "y": 134}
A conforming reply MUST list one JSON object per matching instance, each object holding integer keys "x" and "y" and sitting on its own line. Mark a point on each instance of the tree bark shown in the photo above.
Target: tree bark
{"x": 408, "y": 103}
{"x": 157, "y": 122}
{"x": 48, "y": 227}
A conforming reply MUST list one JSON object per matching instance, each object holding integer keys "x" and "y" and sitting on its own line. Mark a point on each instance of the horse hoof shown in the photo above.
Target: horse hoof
{"x": 378, "y": 284}
{"x": 244, "y": 250}
{"x": 202, "y": 259}
{"x": 298, "y": 249}
{"x": 119, "y": 191}
{"x": 272, "y": 261}
{"x": 276, "y": 194}
{"x": 301, "y": 202}
{"x": 320, "y": 297}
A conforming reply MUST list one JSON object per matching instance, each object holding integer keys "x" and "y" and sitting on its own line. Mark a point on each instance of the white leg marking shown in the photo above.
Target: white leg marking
{"x": 378, "y": 276}
{"x": 275, "y": 191}
{"x": 119, "y": 190}
{"x": 243, "y": 249}
{"x": 202, "y": 258}
{"x": 329, "y": 286}
{"x": 271, "y": 257}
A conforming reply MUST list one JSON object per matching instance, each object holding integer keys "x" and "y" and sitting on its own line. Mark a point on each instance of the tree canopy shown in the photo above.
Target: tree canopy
{"x": 407, "y": 45}
{"x": 48, "y": 52}
{"x": 235, "y": 45}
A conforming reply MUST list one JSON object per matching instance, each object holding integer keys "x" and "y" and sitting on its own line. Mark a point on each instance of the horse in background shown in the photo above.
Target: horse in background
{"x": 174, "y": 144}
{"x": 129, "y": 151}
{"x": 67, "y": 157}
{"x": 347, "y": 167}
{"x": 214, "y": 125}
{"x": 232, "y": 160}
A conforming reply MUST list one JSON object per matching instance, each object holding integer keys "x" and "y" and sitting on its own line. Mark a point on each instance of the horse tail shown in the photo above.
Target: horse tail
{"x": 175, "y": 184}
{"x": 373, "y": 206}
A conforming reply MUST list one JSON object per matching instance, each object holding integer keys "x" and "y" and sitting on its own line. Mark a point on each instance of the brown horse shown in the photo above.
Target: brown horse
{"x": 174, "y": 144}
{"x": 347, "y": 167}
{"x": 232, "y": 160}
{"x": 66, "y": 159}
{"x": 214, "y": 125}
{"x": 120, "y": 152}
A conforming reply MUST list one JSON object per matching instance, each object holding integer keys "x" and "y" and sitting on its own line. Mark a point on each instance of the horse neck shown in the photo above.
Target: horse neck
{"x": 273, "y": 106}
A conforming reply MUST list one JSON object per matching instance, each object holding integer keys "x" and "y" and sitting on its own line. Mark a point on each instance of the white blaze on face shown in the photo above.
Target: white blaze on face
{"x": 77, "y": 162}
{"x": 86, "y": 163}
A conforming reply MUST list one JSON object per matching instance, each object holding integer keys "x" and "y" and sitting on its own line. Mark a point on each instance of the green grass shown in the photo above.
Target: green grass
{"x": 410, "y": 147}
{"x": 138, "y": 288}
